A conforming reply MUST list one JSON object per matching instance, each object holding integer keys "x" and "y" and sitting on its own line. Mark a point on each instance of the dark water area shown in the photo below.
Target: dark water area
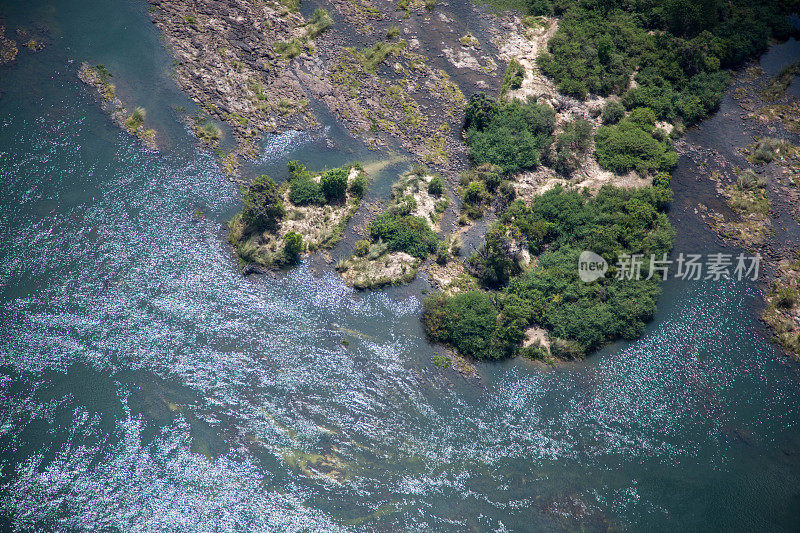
{"x": 145, "y": 385}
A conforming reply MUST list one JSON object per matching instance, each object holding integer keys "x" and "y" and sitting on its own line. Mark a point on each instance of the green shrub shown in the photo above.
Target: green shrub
{"x": 392, "y": 33}
{"x": 613, "y": 112}
{"x": 571, "y": 145}
{"x": 567, "y": 349}
{"x": 289, "y": 49}
{"x": 536, "y": 352}
{"x": 209, "y": 132}
{"x": 297, "y": 170}
{"x": 676, "y": 49}
{"x": 564, "y": 223}
{"x": 509, "y": 135}
{"x": 359, "y": 185}
{"x": 136, "y": 119}
{"x": 514, "y": 76}
{"x": 376, "y": 54}
{"x": 305, "y": 190}
{"x": 320, "y": 22}
{"x": 475, "y": 193}
{"x": 443, "y": 252}
{"x": 630, "y": 145}
{"x": 404, "y": 233}
{"x": 263, "y": 208}
{"x": 471, "y": 322}
{"x": 292, "y": 246}
{"x": 749, "y": 180}
{"x": 334, "y": 184}
{"x": 497, "y": 260}
{"x": 361, "y": 247}
{"x": 436, "y": 186}
{"x": 785, "y": 296}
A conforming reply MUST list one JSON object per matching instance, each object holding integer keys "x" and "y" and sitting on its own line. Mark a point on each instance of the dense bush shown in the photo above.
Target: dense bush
{"x": 469, "y": 322}
{"x": 498, "y": 258}
{"x": 292, "y": 246}
{"x": 631, "y": 145}
{"x": 571, "y": 145}
{"x": 510, "y": 135}
{"x": 436, "y": 186}
{"x": 359, "y": 185}
{"x": 613, "y": 112}
{"x": 361, "y": 247}
{"x": 305, "y": 190}
{"x": 404, "y": 233}
{"x": 334, "y": 184}
{"x": 615, "y": 221}
{"x": 515, "y": 74}
{"x": 676, "y": 49}
{"x": 263, "y": 208}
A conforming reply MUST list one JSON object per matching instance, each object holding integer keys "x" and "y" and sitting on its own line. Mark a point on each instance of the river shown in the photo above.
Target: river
{"x": 145, "y": 385}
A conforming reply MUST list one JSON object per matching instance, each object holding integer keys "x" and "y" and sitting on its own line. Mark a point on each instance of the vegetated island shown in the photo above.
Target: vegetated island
{"x": 403, "y": 235}
{"x": 574, "y": 154}
{"x": 307, "y": 213}
{"x": 656, "y": 68}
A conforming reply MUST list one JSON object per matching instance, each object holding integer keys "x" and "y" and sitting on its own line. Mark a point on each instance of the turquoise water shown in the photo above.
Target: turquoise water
{"x": 147, "y": 386}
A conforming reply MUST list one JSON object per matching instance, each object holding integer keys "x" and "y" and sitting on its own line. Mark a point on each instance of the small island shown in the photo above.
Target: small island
{"x": 307, "y": 213}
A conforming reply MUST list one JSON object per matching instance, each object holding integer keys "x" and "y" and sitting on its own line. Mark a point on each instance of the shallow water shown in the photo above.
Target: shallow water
{"x": 147, "y": 386}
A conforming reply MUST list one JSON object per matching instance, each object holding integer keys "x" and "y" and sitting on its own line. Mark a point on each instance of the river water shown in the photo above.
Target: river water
{"x": 147, "y": 386}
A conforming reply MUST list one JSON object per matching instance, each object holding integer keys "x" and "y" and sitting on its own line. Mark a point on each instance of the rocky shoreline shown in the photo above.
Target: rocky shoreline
{"x": 757, "y": 200}
{"x": 382, "y": 72}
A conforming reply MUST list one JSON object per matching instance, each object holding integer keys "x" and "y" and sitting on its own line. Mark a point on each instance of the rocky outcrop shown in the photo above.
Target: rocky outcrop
{"x": 228, "y": 59}
{"x": 8, "y": 47}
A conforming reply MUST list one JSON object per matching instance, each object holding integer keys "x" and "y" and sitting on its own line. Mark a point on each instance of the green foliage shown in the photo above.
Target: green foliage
{"x": 334, "y": 184}
{"x": 209, "y": 132}
{"x": 292, "y": 246}
{"x": 361, "y": 247}
{"x": 630, "y": 145}
{"x": 785, "y": 296}
{"x": 263, "y": 208}
{"x": 297, "y": 170}
{"x": 498, "y": 258}
{"x": 571, "y": 145}
{"x": 304, "y": 190}
{"x": 392, "y": 33}
{"x": 376, "y": 54}
{"x": 289, "y": 49}
{"x": 613, "y": 112}
{"x": 536, "y": 352}
{"x": 436, "y": 186}
{"x": 320, "y": 22}
{"x": 564, "y": 223}
{"x": 676, "y": 48}
{"x": 510, "y": 135}
{"x": 468, "y": 321}
{"x": 404, "y": 233}
{"x": 103, "y": 73}
{"x": 748, "y": 180}
{"x": 358, "y": 186}
{"x": 515, "y": 74}
{"x": 136, "y": 119}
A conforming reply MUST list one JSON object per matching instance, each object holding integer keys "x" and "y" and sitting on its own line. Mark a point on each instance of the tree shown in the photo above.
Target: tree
{"x": 292, "y": 246}
{"x": 263, "y": 208}
{"x": 334, "y": 184}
